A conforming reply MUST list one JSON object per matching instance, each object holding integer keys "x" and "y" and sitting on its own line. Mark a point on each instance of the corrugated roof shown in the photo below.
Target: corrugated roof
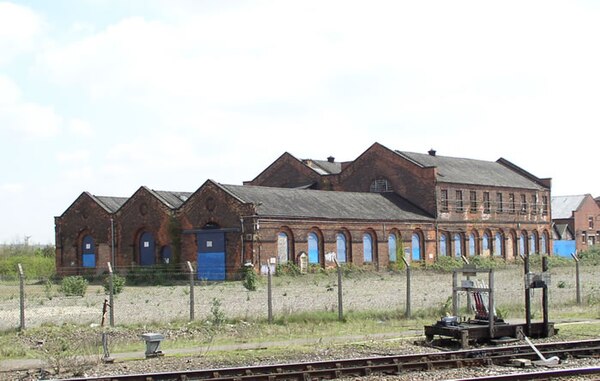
{"x": 111, "y": 204}
{"x": 173, "y": 199}
{"x": 306, "y": 203}
{"x": 564, "y": 206}
{"x": 471, "y": 171}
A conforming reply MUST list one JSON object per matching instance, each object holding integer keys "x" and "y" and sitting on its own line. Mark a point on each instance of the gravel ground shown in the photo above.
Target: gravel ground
{"x": 315, "y": 292}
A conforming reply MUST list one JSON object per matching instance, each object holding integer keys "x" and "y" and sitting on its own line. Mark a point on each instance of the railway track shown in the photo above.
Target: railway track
{"x": 389, "y": 365}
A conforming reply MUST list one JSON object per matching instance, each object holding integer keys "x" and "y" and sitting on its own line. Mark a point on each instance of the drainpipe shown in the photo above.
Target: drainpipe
{"x": 242, "y": 239}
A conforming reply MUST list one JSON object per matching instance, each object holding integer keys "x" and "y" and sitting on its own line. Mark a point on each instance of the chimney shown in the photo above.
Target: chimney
{"x": 431, "y": 152}
{"x": 331, "y": 159}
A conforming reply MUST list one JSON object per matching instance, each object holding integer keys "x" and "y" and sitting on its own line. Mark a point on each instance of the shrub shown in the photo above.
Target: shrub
{"x": 446, "y": 264}
{"x": 74, "y": 286}
{"x": 249, "y": 278}
{"x": 591, "y": 256}
{"x": 118, "y": 284}
{"x": 287, "y": 269}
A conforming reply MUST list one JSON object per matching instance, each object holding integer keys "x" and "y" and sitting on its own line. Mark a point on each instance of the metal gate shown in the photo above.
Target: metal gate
{"x": 211, "y": 255}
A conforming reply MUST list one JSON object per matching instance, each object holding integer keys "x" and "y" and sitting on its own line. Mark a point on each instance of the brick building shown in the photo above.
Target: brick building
{"x": 371, "y": 211}
{"x": 576, "y": 223}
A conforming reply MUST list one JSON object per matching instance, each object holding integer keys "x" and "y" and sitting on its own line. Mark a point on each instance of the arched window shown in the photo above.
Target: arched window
{"x": 472, "y": 244}
{"x": 283, "y": 248}
{"x": 381, "y": 186}
{"x": 485, "y": 244}
{"x": 367, "y": 248}
{"x": 88, "y": 252}
{"x": 457, "y": 245}
{"x": 313, "y": 248}
{"x": 498, "y": 245}
{"x": 523, "y": 244}
{"x": 166, "y": 253}
{"x": 544, "y": 243}
{"x": 392, "y": 247}
{"x": 340, "y": 239}
{"x": 533, "y": 249}
{"x": 416, "y": 247}
{"x": 443, "y": 245}
{"x": 147, "y": 244}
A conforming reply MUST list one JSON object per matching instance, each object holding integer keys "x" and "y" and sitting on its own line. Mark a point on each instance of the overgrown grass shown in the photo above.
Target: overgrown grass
{"x": 37, "y": 262}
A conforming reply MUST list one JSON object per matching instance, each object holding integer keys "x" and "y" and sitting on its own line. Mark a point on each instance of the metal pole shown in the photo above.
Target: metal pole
{"x": 577, "y": 279}
{"x": 545, "y": 296}
{"x": 111, "y": 294}
{"x": 527, "y": 296}
{"x": 340, "y": 299}
{"x": 22, "y": 296}
{"x": 469, "y": 306}
{"x": 269, "y": 294}
{"x": 454, "y": 293}
{"x": 112, "y": 242}
{"x": 492, "y": 312}
{"x": 191, "y": 269}
{"x": 407, "y": 313}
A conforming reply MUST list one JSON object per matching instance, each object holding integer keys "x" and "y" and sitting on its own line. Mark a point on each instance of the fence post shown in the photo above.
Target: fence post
{"x": 269, "y": 294}
{"x": 340, "y": 292}
{"x": 22, "y": 296}
{"x": 191, "y": 269}
{"x": 111, "y": 294}
{"x": 407, "y": 313}
{"x": 469, "y": 305}
{"x": 577, "y": 279}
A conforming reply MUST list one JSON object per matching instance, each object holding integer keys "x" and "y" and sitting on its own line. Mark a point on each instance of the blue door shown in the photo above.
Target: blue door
{"x": 211, "y": 255}
{"x": 146, "y": 249}
{"x": 88, "y": 252}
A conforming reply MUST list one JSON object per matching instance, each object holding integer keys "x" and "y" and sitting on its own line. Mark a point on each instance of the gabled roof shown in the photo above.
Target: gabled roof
{"x": 306, "y": 203}
{"x": 171, "y": 199}
{"x": 563, "y": 231}
{"x": 323, "y": 167}
{"x": 470, "y": 171}
{"x": 109, "y": 203}
{"x": 564, "y": 206}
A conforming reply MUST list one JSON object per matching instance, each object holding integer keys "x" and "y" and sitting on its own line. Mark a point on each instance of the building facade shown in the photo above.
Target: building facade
{"x": 576, "y": 223}
{"x": 381, "y": 208}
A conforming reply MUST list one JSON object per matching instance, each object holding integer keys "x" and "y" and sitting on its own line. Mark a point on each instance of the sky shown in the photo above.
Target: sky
{"x": 106, "y": 96}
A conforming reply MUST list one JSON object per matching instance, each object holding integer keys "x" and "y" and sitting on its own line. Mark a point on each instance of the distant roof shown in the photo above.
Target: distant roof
{"x": 323, "y": 167}
{"x": 172, "y": 199}
{"x": 564, "y": 206}
{"x": 471, "y": 171}
{"x": 306, "y": 203}
{"x": 111, "y": 204}
{"x": 563, "y": 231}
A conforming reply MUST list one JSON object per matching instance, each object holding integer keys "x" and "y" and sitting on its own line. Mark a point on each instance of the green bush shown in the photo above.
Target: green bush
{"x": 287, "y": 269}
{"x": 444, "y": 263}
{"x": 249, "y": 278}
{"x": 591, "y": 256}
{"x": 74, "y": 285}
{"x": 118, "y": 284}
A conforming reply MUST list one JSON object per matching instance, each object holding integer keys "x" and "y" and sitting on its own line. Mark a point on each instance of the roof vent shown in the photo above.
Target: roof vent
{"x": 331, "y": 159}
{"x": 431, "y": 152}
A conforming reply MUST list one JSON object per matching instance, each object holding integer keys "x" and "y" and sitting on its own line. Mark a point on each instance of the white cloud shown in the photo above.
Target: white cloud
{"x": 19, "y": 27}
{"x": 80, "y": 127}
{"x": 27, "y": 118}
{"x": 11, "y": 188}
{"x": 76, "y": 156}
